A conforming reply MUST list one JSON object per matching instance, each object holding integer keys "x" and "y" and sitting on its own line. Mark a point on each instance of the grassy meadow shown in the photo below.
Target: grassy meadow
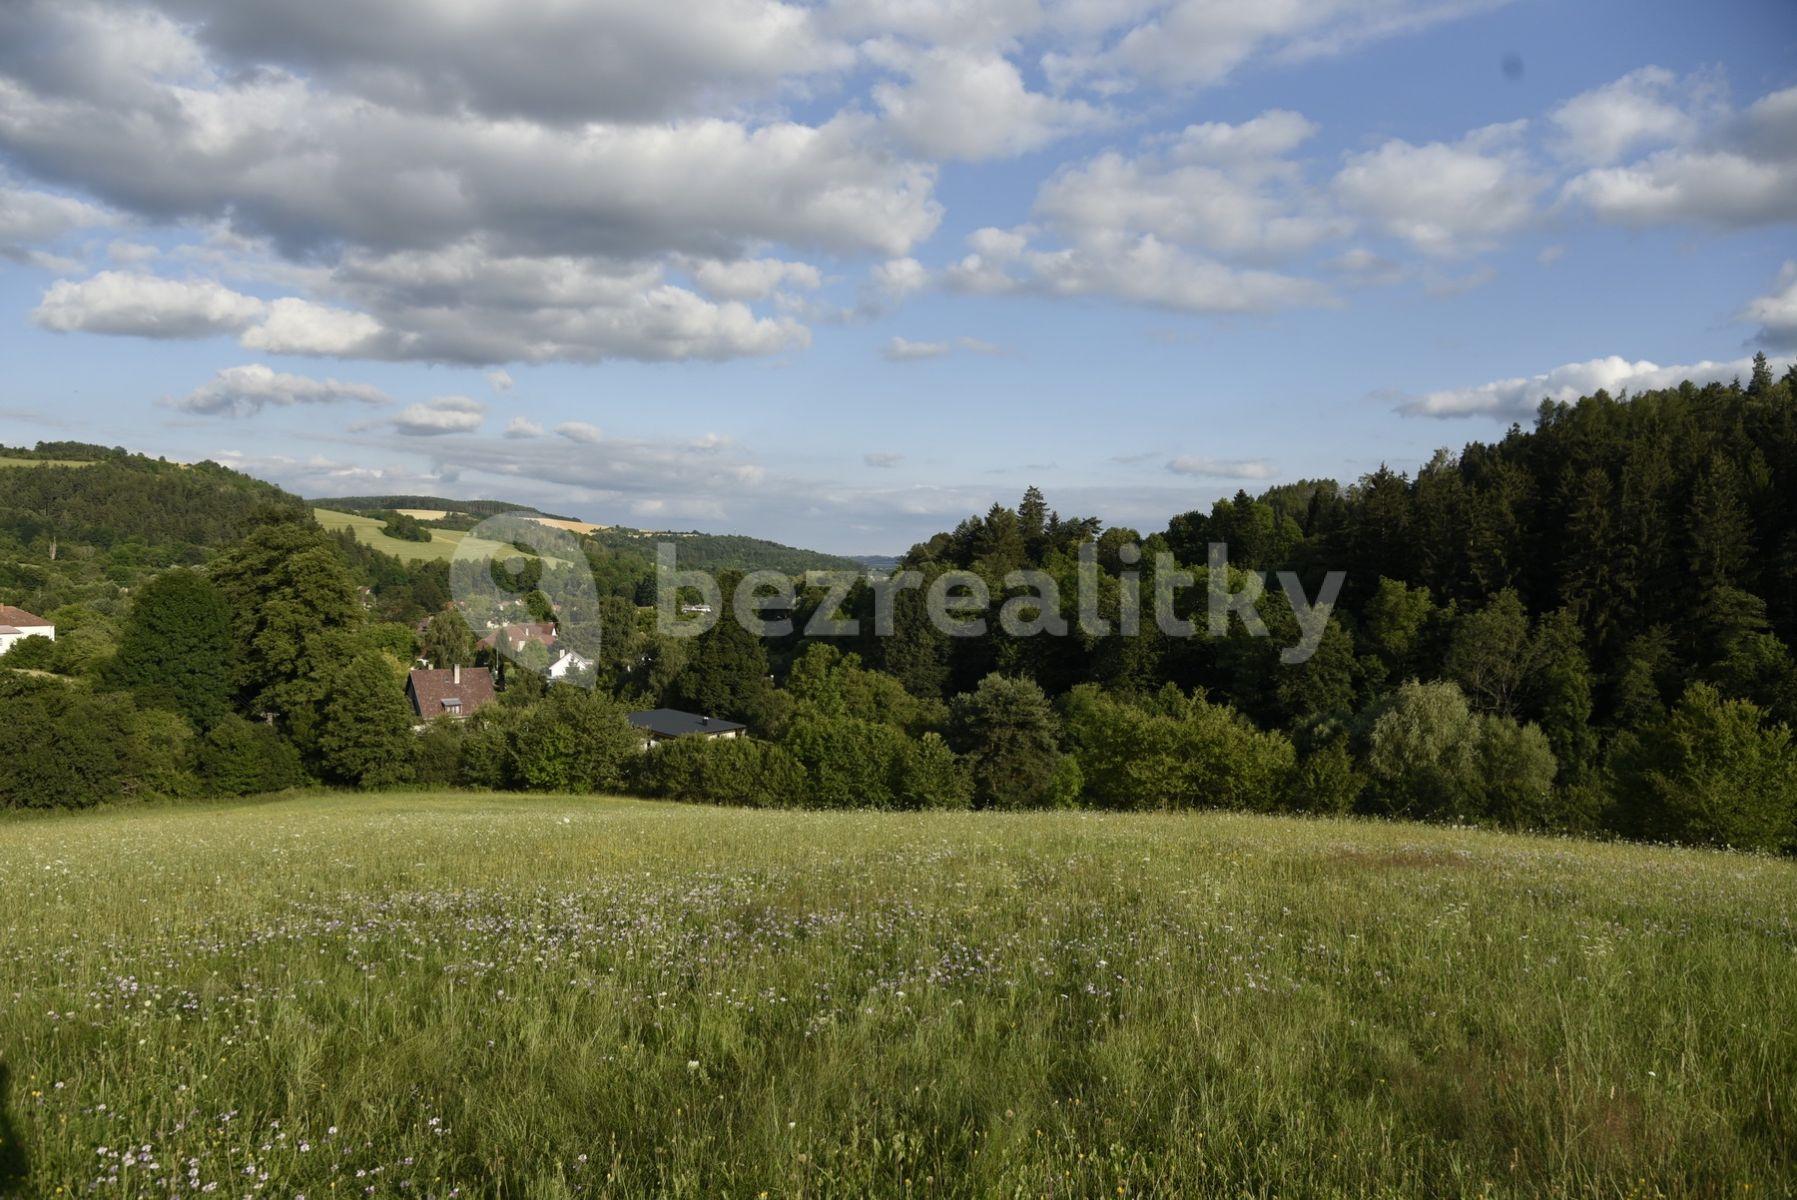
{"x": 455, "y": 996}
{"x": 443, "y": 545}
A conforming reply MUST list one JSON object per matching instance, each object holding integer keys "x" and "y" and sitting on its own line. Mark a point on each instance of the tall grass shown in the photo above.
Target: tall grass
{"x": 482, "y": 996}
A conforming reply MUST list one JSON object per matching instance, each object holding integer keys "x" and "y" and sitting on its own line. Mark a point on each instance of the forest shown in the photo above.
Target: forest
{"x": 1584, "y": 626}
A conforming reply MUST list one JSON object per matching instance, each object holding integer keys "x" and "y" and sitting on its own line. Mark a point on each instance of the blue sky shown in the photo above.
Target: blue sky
{"x": 842, "y": 273}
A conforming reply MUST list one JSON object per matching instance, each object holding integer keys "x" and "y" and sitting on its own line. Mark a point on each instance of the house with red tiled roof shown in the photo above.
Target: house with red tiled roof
{"x": 517, "y": 636}
{"x": 16, "y": 625}
{"x": 450, "y": 692}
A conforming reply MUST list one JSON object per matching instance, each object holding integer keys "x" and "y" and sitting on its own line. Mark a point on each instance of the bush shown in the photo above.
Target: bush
{"x": 850, "y": 763}
{"x": 574, "y": 741}
{"x": 1713, "y": 771}
{"x": 1327, "y": 781}
{"x": 71, "y": 749}
{"x": 244, "y": 758}
{"x": 930, "y": 775}
{"x": 724, "y": 771}
{"x": 1430, "y": 756}
{"x": 437, "y": 753}
{"x": 1175, "y": 752}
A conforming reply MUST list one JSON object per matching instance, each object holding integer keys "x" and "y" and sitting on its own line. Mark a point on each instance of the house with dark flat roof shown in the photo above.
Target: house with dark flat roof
{"x": 665, "y": 724}
{"x": 450, "y": 692}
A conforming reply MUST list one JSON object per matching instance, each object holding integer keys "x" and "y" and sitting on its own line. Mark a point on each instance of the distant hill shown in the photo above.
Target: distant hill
{"x": 478, "y": 508}
{"x": 699, "y": 551}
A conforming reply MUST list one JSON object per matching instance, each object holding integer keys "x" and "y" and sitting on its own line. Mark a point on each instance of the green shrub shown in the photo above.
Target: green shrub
{"x": 243, "y": 758}
{"x": 1174, "y": 751}
{"x": 930, "y": 775}
{"x": 574, "y": 741}
{"x": 743, "y": 771}
{"x": 851, "y": 763}
{"x": 1713, "y": 771}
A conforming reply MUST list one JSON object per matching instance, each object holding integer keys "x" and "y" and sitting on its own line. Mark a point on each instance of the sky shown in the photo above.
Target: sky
{"x": 841, "y": 273}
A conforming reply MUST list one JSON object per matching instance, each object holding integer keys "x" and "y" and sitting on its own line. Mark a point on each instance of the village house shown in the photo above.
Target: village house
{"x": 665, "y": 724}
{"x": 16, "y": 625}
{"x": 450, "y": 692}
{"x": 513, "y": 638}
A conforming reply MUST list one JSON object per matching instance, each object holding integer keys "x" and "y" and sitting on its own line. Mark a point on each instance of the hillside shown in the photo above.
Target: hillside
{"x": 677, "y": 1000}
{"x": 447, "y": 517}
{"x": 81, "y": 525}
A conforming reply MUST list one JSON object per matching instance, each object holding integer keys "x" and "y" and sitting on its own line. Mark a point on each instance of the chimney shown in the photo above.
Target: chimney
{"x": 458, "y": 674}
{"x": 704, "y": 720}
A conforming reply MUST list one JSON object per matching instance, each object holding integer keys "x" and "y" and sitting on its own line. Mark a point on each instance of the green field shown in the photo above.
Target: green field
{"x": 444, "y": 543}
{"x": 43, "y": 462}
{"x": 435, "y": 995}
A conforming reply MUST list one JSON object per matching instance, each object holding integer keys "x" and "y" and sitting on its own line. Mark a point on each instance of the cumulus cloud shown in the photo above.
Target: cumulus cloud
{"x": 1222, "y": 188}
{"x": 883, "y": 459}
{"x": 934, "y": 108}
{"x": 1445, "y": 198}
{"x": 499, "y": 380}
{"x": 1140, "y": 270}
{"x": 1648, "y": 106}
{"x": 444, "y": 414}
{"x": 523, "y": 427}
{"x": 247, "y": 390}
{"x": 1739, "y": 170}
{"x": 1517, "y": 399}
{"x": 541, "y": 59}
{"x": 1222, "y": 468}
{"x": 30, "y": 218}
{"x": 753, "y": 278}
{"x": 581, "y": 432}
{"x": 1776, "y": 312}
{"x": 136, "y": 305}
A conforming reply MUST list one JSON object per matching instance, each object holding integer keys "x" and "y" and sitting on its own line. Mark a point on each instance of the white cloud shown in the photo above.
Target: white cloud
{"x": 581, "y": 432}
{"x": 29, "y": 218}
{"x": 1776, "y": 312}
{"x": 294, "y": 326}
{"x": 969, "y": 104}
{"x": 1222, "y": 468}
{"x": 444, "y": 414}
{"x": 1202, "y": 42}
{"x": 135, "y": 305}
{"x": 904, "y": 350}
{"x": 1643, "y": 107}
{"x": 1517, "y": 399}
{"x": 1217, "y": 187}
{"x": 883, "y": 459}
{"x": 499, "y": 380}
{"x": 753, "y": 278}
{"x": 247, "y": 390}
{"x": 1445, "y": 198}
{"x": 1141, "y": 270}
{"x": 1740, "y": 171}
{"x": 523, "y": 427}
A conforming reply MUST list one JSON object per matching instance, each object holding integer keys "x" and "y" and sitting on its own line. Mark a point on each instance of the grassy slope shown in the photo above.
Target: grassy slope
{"x": 552, "y": 997}
{"x": 444, "y": 543}
{"x": 42, "y": 462}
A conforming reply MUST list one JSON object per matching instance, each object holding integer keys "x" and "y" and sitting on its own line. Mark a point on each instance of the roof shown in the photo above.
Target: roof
{"x": 432, "y": 691}
{"x": 8, "y": 630}
{"x": 516, "y": 636}
{"x": 19, "y": 617}
{"x": 671, "y": 722}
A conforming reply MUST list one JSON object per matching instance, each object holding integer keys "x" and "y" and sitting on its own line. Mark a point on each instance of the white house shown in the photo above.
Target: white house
{"x": 16, "y": 625}
{"x": 568, "y": 660}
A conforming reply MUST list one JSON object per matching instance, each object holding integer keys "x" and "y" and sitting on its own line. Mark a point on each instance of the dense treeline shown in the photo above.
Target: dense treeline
{"x": 1583, "y": 626}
